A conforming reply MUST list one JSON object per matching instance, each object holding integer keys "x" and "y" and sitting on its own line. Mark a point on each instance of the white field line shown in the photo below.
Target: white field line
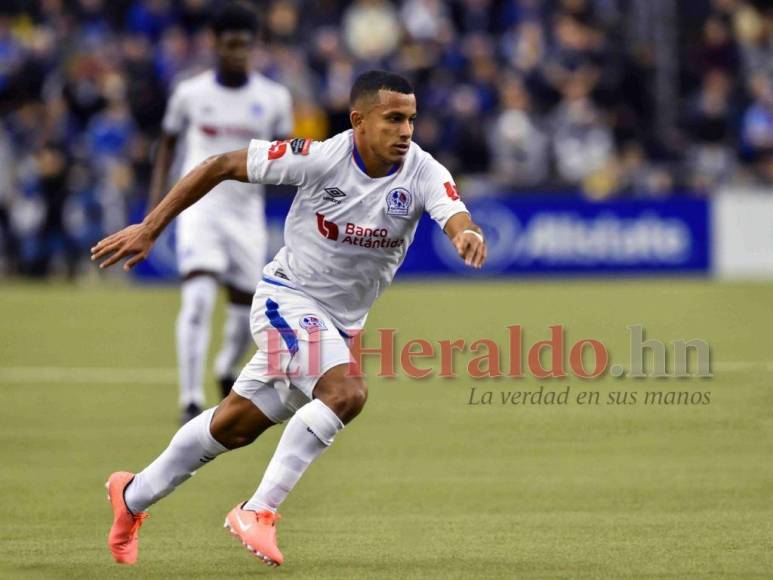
{"x": 168, "y": 375}
{"x": 88, "y": 375}
{"x": 742, "y": 365}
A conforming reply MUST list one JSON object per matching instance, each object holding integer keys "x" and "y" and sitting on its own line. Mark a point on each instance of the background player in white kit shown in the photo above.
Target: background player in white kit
{"x": 221, "y": 240}
{"x": 360, "y": 195}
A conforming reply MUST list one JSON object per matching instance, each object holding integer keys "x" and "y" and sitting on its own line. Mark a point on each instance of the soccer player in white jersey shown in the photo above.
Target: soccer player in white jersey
{"x": 360, "y": 195}
{"x": 221, "y": 240}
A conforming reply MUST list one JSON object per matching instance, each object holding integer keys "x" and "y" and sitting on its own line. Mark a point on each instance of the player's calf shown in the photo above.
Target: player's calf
{"x": 191, "y": 447}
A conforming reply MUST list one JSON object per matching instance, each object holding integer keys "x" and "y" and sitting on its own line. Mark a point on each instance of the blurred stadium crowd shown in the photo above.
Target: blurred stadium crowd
{"x": 603, "y": 97}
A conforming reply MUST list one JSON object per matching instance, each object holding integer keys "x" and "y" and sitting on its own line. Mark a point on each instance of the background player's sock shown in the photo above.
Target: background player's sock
{"x": 190, "y": 448}
{"x": 236, "y": 339}
{"x": 306, "y": 436}
{"x": 198, "y": 300}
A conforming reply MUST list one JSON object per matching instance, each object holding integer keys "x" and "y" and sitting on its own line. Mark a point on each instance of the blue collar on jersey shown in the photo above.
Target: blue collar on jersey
{"x": 361, "y": 164}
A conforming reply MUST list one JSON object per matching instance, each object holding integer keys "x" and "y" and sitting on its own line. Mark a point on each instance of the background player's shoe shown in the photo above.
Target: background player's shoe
{"x": 257, "y": 531}
{"x": 190, "y": 412}
{"x": 225, "y": 385}
{"x": 123, "y": 539}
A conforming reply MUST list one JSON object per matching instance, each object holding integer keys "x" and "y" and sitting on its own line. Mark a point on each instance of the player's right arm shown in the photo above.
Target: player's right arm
{"x": 276, "y": 163}
{"x": 135, "y": 242}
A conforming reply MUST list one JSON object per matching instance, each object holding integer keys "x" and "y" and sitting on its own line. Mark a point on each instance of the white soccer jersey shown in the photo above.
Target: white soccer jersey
{"x": 347, "y": 233}
{"x": 211, "y": 118}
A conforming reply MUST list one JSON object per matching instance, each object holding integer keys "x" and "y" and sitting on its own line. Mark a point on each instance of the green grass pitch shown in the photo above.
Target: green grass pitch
{"x": 422, "y": 484}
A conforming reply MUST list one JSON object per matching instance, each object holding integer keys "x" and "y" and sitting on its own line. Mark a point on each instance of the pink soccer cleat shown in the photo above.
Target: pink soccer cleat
{"x": 257, "y": 532}
{"x": 123, "y": 538}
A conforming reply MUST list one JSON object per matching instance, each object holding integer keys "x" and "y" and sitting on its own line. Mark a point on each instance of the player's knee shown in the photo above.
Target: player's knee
{"x": 346, "y": 397}
{"x": 231, "y": 436}
{"x": 237, "y": 422}
{"x": 354, "y": 395}
{"x": 234, "y": 440}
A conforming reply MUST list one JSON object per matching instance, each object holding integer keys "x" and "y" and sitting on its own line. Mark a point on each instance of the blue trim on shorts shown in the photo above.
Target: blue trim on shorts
{"x": 272, "y": 312}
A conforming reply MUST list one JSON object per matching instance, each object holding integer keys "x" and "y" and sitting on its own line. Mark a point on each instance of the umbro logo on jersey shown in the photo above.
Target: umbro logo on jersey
{"x": 334, "y": 195}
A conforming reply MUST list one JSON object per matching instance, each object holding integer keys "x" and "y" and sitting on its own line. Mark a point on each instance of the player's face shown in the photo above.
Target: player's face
{"x": 233, "y": 50}
{"x": 389, "y": 125}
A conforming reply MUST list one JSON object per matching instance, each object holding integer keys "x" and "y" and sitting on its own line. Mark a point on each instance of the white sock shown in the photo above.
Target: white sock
{"x": 190, "y": 448}
{"x": 306, "y": 436}
{"x": 236, "y": 339}
{"x": 198, "y": 300}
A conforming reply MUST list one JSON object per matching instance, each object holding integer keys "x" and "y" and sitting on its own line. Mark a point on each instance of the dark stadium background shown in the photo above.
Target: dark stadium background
{"x": 604, "y": 99}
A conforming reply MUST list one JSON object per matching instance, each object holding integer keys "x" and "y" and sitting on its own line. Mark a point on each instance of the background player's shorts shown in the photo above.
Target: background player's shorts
{"x": 297, "y": 343}
{"x": 230, "y": 244}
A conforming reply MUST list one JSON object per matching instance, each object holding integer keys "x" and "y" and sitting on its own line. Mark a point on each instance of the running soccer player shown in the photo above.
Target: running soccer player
{"x": 360, "y": 195}
{"x": 221, "y": 240}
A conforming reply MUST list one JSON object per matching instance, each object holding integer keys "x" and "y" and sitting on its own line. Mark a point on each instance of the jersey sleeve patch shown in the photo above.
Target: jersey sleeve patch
{"x": 300, "y": 146}
{"x": 451, "y": 191}
{"x": 277, "y": 149}
{"x": 297, "y": 146}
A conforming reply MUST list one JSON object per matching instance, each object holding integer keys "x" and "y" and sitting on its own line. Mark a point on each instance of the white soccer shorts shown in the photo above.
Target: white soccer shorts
{"x": 231, "y": 245}
{"x": 297, "y": 343}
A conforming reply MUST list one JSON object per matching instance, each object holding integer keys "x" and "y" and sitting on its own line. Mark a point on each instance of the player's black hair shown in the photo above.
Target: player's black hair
{"x": 371, "y": 82}
{"x": 235, "y": 16}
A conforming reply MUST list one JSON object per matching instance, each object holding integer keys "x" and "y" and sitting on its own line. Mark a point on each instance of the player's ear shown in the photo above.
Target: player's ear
{"x": 356, "y": 118}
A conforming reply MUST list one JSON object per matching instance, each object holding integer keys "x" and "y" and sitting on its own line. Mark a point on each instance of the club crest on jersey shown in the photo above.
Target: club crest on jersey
{"x": 312, "y": 323}
{"x": 398, "y": 201}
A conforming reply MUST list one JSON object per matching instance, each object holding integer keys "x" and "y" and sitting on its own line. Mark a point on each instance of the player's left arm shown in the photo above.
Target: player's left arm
{"x": 443, "y": 203}
{"x": 467, "y": 238}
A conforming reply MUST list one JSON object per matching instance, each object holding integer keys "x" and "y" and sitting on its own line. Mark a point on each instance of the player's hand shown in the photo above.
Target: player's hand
{"x": 471, "y": 248}
{"x": 134, "y": 242}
